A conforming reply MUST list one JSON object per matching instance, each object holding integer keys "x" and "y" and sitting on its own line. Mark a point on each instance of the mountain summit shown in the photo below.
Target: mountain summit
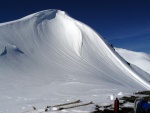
{"x": 48, "y": 54}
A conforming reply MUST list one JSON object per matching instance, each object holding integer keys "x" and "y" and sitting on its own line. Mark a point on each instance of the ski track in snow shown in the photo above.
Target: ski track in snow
{"x": 48, "y": 58}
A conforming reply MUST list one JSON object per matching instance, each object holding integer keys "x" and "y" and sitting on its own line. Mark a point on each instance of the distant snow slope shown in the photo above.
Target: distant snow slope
{"x": 140, "y": 59}
{"x": 49, "y": 57}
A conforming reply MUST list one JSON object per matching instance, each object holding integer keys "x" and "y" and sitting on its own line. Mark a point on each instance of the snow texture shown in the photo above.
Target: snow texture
{"x": 48, "y": 58}
{"x": 140, "y": 59}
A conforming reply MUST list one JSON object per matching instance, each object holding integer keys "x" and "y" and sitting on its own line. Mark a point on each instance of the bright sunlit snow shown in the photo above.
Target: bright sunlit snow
{"x": 142, "y": 60}
{"x": 48, "y": 58}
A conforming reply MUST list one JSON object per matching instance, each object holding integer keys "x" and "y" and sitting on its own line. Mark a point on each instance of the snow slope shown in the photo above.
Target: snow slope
{"x": 49, "y": 57}
{"x": 140, "y": 59}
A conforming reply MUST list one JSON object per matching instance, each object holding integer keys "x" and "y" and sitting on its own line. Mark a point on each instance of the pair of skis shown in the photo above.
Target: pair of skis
{"x": 64, "y": 106}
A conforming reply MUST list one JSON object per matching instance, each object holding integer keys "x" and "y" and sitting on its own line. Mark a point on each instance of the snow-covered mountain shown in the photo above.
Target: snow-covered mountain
{"x": 49, "y": 57}
{"x": 140, "y": 59}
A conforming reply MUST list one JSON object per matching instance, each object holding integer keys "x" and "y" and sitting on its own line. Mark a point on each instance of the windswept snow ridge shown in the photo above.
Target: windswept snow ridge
{"x": 142, "y": 60}
{"x": 49, "y": 57}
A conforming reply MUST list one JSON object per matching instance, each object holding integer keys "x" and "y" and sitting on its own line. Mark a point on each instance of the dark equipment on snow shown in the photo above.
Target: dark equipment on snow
{"x": 116, "y": 106}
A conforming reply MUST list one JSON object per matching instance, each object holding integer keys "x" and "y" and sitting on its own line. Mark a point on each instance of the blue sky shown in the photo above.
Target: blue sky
{"x": 124, "y": 23}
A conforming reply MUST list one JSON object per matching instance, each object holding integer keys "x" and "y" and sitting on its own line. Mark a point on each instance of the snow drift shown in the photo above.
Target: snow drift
{"x": 48, "y": 57}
